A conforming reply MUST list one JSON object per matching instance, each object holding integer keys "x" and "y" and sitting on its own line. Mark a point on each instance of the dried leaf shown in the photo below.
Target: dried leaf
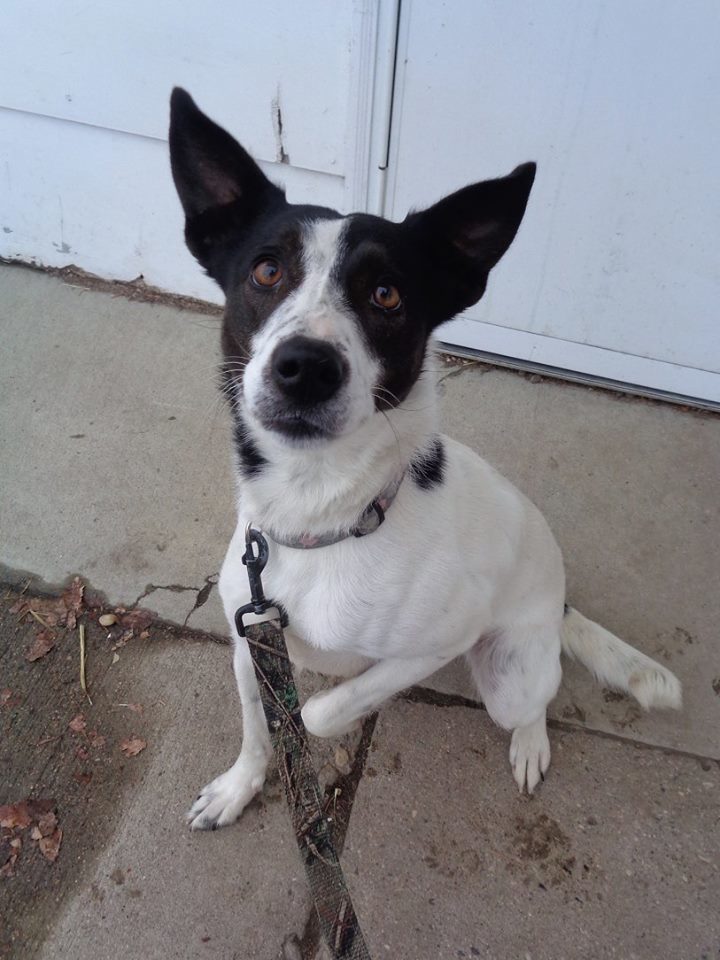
{"x": 50, "y": 846}
{"x": 81, "y": 777}
{"x": 139, "y": 619}
{"x": 48, "y": 610}
{"x": 107, "y": 620}
{"x": 122, "y": 639}
{"x": 47, "y": 823}
{"x": 15, "y": 815}
{"x": 21, "y": 815}
{"x": 82, "y": 754}
{"x": 9, "y": 699}
{"x": 35, "y": 833}
{"x": 72, "y": 598}
{"x": 342, "y": 760}
{"x": 96, "y": 740}
{"x": 132, "y": 746}
{"x": 78, "y": 723}
{"x": 36, "y": 808}
{"x": 43, "y": 643}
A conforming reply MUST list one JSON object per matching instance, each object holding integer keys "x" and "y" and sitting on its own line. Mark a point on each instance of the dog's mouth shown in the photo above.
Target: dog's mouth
{"x": 295, "y": 426}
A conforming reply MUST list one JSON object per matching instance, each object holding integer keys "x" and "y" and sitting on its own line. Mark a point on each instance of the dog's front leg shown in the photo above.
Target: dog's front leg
{"x": 331, "y": 713}
{"x": 223, "y": 800}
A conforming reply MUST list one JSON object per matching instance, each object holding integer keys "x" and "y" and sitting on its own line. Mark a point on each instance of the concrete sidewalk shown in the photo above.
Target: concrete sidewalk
{"x": 116, "y": 467}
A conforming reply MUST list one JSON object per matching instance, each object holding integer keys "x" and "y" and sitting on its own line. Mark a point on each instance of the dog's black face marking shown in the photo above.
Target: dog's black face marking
{"x": 277, "y": 236}
{"x": 250, "y": 460}
{"x": 427, "y": 469}
{"x": 393, "y": 283}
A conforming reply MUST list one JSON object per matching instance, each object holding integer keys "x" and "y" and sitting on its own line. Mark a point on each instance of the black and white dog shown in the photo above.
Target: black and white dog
{"x": 326, "y": 339}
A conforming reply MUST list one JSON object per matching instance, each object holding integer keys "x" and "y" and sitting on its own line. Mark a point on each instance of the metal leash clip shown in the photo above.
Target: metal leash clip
{"x": 255, "y": 564}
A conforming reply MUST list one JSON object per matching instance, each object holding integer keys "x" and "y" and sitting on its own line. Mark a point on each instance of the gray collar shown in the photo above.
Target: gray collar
{"x": 370, "y": 519}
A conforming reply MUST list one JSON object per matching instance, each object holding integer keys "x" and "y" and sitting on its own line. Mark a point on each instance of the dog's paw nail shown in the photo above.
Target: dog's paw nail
{"x": 214, "y": 826}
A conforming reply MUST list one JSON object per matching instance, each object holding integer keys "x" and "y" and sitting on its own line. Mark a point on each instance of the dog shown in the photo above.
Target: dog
{"x": 393, "y": 548}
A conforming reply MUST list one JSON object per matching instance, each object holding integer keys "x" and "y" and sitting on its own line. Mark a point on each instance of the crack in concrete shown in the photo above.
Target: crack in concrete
{"x": 203, "y": 595}
{"x": 433, "y": 698}
{"x": 151, "y": 588}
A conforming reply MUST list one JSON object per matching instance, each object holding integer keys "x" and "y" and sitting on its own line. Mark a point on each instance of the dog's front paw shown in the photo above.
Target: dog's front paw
{"x": 322, "y": 717}
{"x": 223, "y": 800}
{"x": 529, "y": 755}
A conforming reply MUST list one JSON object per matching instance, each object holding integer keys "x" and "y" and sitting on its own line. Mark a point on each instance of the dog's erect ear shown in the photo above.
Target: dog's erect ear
{"x": 468, "y": 232}
{"x": 221, "y": 188}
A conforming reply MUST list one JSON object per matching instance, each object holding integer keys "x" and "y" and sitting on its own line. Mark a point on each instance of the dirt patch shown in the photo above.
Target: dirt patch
{"x": 135, "y": 289}
{"x": 62, "y": 765}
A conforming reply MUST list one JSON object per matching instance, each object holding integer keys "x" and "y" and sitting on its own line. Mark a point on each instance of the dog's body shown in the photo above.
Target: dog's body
{"x": 327, "y": 337}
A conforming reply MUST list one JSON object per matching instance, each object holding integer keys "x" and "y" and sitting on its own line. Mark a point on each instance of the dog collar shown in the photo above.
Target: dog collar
{"x": 370, "y": 519}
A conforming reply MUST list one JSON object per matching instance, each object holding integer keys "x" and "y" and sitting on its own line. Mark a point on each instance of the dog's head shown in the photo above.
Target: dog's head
{"x": 328, "y": 317}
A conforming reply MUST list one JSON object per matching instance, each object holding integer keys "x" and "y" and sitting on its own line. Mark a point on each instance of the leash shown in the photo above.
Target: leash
{"x": 313, "y": 829}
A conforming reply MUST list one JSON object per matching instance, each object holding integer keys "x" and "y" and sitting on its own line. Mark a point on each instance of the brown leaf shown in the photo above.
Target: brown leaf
{"x": 132, "y": 746}
{"x": 82, "y": 754}
{"x": 9, "y": 699}
{"x": 36, "y": 808}
{"x": 72, "y": 598}
{"x": 96, "y": 740}
{"x": 51, "y": 610}
{"x": 35, "y": 833}
{"x": 47, "y": 823}
{"x": 139, "y": 619}
{"x": 78, "y": 723}
{"x": 15, "y": 815}
{"x": 81, "y": 777}
{"x": 50, "y": 846}
{"x": 21, "y": 815}
{"x": 122, "y": 639}
{"x": 43, "y": 643}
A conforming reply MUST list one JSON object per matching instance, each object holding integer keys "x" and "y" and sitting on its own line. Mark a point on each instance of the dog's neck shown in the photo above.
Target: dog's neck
{"x": 321, "y": 490}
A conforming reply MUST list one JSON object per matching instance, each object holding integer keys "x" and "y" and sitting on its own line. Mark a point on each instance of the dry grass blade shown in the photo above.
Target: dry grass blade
{"x": 83, "y": 681}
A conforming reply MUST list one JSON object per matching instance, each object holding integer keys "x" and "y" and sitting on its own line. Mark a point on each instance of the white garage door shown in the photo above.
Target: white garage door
{"x": 84, "y": 117}
{"x": 616, "y": 270}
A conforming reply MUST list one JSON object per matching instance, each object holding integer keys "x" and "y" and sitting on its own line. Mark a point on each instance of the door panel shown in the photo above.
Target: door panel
{"x": 618, "y": 104}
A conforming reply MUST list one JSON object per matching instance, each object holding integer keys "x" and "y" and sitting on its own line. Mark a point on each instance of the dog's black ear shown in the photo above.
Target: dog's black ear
{"x": 466, "y": 234}
{"x": 221, "y": 188}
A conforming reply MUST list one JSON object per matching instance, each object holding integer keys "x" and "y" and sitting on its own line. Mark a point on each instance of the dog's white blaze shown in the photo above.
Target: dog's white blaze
{"x": 316, "y": 309}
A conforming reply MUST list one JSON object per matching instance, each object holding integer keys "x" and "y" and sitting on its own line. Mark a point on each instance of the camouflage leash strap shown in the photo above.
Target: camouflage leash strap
{"x": 313, "y": 828}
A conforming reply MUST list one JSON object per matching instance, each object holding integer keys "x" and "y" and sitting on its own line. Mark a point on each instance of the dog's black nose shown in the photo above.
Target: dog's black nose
{"x": 307, "y": 371}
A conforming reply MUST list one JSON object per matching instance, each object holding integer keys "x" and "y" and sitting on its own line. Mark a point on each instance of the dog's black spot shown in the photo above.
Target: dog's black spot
{"x": 250, "y": 459}
{"x": 428, "y": 466}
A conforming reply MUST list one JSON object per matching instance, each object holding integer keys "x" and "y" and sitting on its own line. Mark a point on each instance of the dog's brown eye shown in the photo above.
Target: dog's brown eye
{"x": 267, "y": 273}
{"x": 386, "y": 297}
